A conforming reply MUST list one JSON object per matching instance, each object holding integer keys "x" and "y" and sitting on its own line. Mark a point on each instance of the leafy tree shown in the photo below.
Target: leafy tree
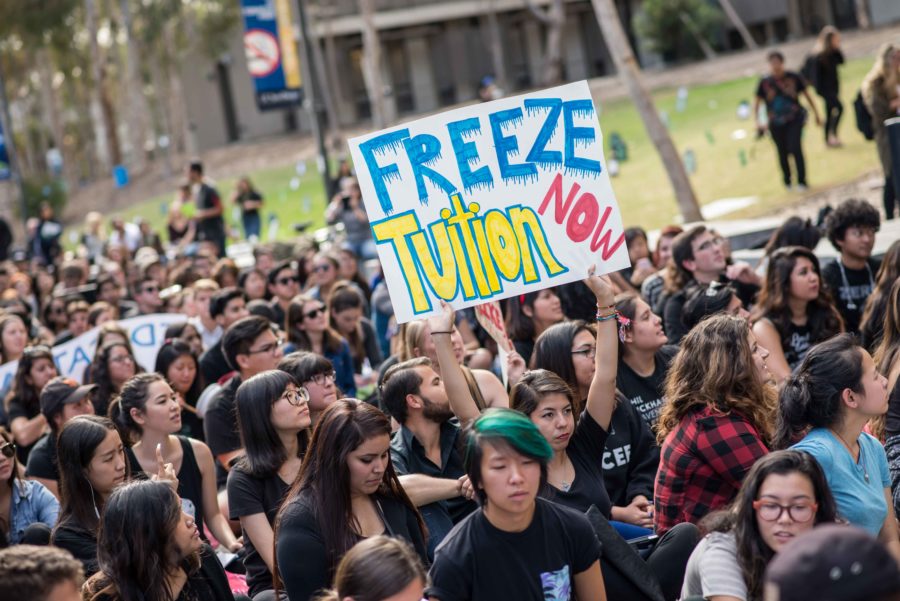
{"x": 662, "y": 24}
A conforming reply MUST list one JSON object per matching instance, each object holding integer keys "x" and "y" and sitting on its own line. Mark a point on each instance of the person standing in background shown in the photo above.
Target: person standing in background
{"x": 210, "y": 225}
{"x": 828, "y": 57}
{"x": 882, "y": 98}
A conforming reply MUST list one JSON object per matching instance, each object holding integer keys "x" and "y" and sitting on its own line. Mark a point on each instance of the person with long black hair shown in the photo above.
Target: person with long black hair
{"x": 346, "y": 491}
{"x": 784, "y": 495}
{"x": 150, "y": 550}
{"x": 827, "y": 401}
{"x": 315, "y": 374}
{"x": 23, "y": 407}
{"x": 273, "y": 419}
{"x": 113, "y": 365}
{"x": 27, "y": 509}
{"x": 177, "y": 363}
{"x": 794, "y": 311}
{"x": 91, "y": 465}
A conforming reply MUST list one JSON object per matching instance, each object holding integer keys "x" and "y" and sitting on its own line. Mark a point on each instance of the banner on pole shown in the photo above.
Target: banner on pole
{"x": 146, "y": 333}
{"x": 490, "y": 201}
{"x": 271, "y": 52}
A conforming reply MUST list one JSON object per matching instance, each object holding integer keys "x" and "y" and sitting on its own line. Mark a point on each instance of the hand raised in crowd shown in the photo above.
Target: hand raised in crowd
{"x": 515, "y": 365}
{"x": 165, "y": 472}
{"x": 443, "y": 321}
{"x": 601, "y": 286}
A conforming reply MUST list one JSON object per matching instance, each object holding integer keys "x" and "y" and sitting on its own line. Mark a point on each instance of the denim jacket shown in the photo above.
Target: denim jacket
{"x": 31, "y": 502}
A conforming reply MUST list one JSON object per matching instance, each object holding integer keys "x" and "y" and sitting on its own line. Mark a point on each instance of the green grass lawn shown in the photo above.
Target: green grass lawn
{"x": 705, "y": 126}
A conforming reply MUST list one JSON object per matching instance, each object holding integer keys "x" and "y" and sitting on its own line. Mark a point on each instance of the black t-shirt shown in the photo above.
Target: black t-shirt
{"x": 892, "y": 418}
{"x": 300, "y": 548}
{"x": 243, "y": 199}
{"x": 42, "y": 461}
{"x": 213, "y": 364}
{"x": 18, "y": 409}
{"x": 479, "y": 561}
{"x": 646, "y": 394}
{"x": 220, "y": 421}
{"x": 850, "y": 294}
{"x": 585, "y": 450}
{"x": 78, "y": 540}
{"x": 631, "y": 457}
{"x": 795, "y": 342}
{"x": 209, "y": 228}
{"x": 249, "y": 495}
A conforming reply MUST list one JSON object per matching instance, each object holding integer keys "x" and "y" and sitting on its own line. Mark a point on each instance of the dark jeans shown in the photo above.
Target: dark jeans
{"x": 833, "y": 111}
{"x": 252, "y": 224}
{"x": 889, "y": 196}
{"x": 787, "y": 142}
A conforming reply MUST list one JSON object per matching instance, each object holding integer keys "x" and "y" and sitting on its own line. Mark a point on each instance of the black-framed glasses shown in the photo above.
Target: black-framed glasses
{"x": 296, "y": 397}
{"x": 267, "y": 348}
{"x": 288, "y": 280}
{"x": 771, "y": 511}
{"x": 321, "y": 379}
{"x": 589, "y": 351}
{"x": 313, "y": 313}
{"x": 8, "y": 450}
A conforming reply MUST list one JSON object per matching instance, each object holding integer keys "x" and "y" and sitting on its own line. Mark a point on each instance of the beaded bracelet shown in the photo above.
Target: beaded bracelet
{"x": 608, "y": 317}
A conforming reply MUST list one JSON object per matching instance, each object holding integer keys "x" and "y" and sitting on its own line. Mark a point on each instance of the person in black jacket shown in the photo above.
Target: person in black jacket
{"x": 828, "y": 57}
{"x": 150, "y": 549}
{"x": 346, "y": 491}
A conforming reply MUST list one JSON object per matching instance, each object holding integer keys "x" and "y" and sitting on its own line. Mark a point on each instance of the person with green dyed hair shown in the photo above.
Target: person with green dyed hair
{"x": 515, "y": 545}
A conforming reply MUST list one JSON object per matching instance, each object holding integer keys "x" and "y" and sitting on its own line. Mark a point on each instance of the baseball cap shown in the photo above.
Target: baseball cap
{"x": 833, "y": 562}
{"x": 62, "y": 391}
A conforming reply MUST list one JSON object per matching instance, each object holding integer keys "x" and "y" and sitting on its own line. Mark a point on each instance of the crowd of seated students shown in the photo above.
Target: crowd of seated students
{"x": 662, "y": 433}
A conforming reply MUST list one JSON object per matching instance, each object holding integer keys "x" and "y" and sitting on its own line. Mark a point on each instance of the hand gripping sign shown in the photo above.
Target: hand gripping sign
{"x": 490, "y": 201}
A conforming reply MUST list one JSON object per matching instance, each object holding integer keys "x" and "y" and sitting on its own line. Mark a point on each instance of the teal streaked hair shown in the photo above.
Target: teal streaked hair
{"x": 513, "y": 428}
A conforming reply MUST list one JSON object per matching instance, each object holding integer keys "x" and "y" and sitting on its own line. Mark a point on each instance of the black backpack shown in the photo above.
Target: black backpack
{"x": 809, "y": 70}
{"x": 863, "y": 117}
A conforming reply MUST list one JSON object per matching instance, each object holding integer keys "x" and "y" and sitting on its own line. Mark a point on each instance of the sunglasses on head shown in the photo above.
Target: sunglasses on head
{"x": 8, "y": 450}
{"x": 314, "y": 312}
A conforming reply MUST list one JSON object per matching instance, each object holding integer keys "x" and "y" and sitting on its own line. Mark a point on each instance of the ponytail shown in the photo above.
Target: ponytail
{"x": 811, "y": 397}
{"x": 132, "y": 396}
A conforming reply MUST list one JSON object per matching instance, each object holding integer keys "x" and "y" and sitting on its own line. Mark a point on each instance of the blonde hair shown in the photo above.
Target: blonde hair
{"x": 205, "y": 285}
{"x": 714, "y": 368}
{"x": 881, "y": 75}
{"x": 412, "y": 338}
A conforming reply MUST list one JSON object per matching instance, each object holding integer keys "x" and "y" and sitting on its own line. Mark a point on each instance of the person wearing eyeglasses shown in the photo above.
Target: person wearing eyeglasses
{"x": 113, "y": 365}
{"x": 850, "y": 278}
{"x": 226, "y": 307}
{"x": 698, "y": 258}
{"x": 630, "y": 456}
{"x": 783, "y": 495}
{"x": 146, "y": 296}
{"x": 251, "y": 347}
{"x": 793, "y": 312}
{"x": 23, "y": 407}
{"x": 316, "y": 375}
{"x": 148, "y": 415}
{"x": 29, "y": 510}
{"x": 308, "y": 330}
{"x": 274, "y": 419}
{"x": 826, "y": 403}
{"x": 284, "y": 284}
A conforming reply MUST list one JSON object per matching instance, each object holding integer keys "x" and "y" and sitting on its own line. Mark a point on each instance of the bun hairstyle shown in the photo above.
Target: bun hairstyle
{"x": 132, "y": 396}
{"x": 811, "y": 396}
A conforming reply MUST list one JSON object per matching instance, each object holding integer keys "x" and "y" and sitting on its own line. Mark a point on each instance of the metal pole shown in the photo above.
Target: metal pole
{"x": 311, "y": 90}
{"x": 6, "y": 123}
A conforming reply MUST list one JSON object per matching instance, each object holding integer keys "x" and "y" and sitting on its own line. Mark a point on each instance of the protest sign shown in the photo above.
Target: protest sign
{"x": 490, "y": 317}
{"x": 147, "y": 334}
{"x": 490, "y": 201}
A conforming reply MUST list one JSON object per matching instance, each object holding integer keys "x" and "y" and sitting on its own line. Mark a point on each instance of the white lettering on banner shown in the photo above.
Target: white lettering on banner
{"x": 146, "y": 332}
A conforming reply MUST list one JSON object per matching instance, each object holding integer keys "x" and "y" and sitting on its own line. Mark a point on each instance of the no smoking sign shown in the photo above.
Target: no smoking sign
{"x": 263, "y": 53}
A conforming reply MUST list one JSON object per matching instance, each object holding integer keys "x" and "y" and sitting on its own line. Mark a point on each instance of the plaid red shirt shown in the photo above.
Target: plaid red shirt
{"x": 702, "y": 463}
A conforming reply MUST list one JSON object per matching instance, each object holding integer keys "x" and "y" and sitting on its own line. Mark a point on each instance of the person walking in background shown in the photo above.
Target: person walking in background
{"x": 780, "y": 90}
{"x": 250, "y": 201}
{"x": 210, "y": 225}
{"x": 880, "y": 93}
{"x": 828, "y": 57}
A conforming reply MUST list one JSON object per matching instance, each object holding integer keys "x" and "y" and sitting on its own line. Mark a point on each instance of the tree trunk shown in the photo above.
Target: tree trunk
{"x": 738, "y": 23}
{"x": 862, "y": 14}
{"x": 134, "y": 94}
{"x": 630, "y": 72}
{"x": 325, "y": 89}
{"x": 495, "y": 43}
{"x": 708, "y": 51}
{"x": 371, "y": 64}
{"x": 53, "y": 116}
{"x": 111, "y": 120}
{"x": 101, "y": 140}
{"x": 554, "y": 20}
